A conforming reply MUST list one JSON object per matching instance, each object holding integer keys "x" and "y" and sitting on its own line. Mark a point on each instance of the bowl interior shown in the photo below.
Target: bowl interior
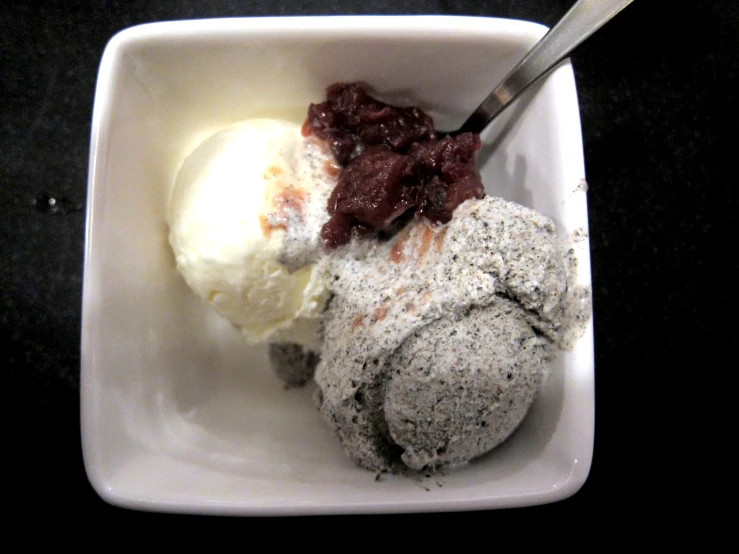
{"x": 178, "y": 412}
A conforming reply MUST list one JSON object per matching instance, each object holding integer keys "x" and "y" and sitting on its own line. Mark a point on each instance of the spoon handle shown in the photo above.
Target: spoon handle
{"x": 583, "y": 19}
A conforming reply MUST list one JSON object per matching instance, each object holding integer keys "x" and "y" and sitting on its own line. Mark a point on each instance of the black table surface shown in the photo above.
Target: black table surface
{"x": 658, "y": 97}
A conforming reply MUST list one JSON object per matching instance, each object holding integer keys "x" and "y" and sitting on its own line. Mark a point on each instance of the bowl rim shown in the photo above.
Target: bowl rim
{"x": 356, "y": 26}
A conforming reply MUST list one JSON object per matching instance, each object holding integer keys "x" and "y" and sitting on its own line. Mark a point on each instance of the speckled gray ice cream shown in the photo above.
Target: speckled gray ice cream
{"x": 461, "y": 385}
{"x": 436, "y": 341}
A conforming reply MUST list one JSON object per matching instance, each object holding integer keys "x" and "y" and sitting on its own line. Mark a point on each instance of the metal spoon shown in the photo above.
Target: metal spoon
{"x": 583, "y": 19}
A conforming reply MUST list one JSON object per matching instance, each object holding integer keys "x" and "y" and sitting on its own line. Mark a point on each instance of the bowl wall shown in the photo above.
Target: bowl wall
{"x": 178, "y": 412}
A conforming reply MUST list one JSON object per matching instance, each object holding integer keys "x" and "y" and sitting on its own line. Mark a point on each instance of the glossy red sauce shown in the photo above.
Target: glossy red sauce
{"x": 392, "y": 164}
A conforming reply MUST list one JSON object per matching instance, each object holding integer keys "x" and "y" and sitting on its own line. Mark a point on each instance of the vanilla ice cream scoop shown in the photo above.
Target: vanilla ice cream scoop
{"x": 239, "y": 201}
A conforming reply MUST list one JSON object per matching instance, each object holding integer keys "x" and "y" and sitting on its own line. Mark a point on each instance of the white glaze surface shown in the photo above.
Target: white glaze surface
{"x": 178, "y": 414}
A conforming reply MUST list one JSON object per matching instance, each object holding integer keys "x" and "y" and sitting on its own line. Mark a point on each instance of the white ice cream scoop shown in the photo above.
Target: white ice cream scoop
{"x": 228, "y": 221}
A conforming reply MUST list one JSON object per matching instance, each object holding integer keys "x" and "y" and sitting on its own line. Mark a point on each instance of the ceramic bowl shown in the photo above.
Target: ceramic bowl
{"x": 180, "y": 414}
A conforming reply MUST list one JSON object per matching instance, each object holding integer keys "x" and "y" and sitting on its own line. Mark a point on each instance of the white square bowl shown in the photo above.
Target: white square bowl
{"x": 178, "y": 413}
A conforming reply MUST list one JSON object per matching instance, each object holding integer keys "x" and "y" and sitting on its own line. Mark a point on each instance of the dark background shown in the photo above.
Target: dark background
{"x": 657, "y": 89}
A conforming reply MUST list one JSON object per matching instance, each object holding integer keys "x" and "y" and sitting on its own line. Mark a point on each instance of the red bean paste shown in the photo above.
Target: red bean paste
{"x": 393, "y": 164}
